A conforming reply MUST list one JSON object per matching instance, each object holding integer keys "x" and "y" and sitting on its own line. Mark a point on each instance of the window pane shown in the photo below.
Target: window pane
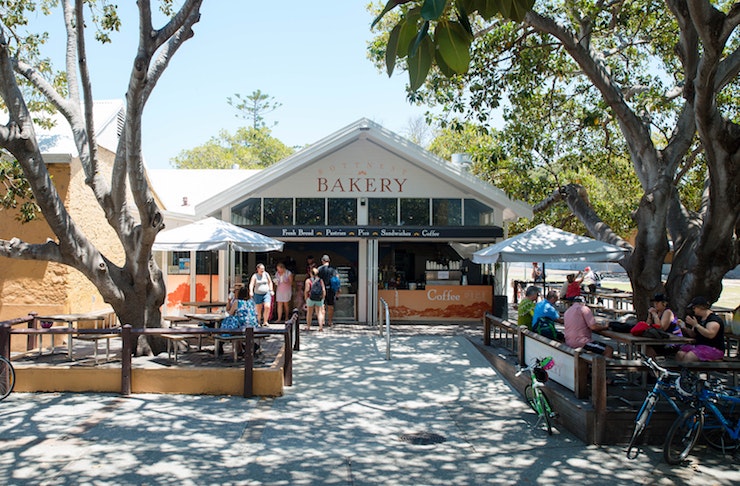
{"x": 343, "y": 212}
{"x": 278, "y": 212}
{"x": 382, "y": 211}
{"x": 477, "y": 214}
{"x": 415, "y": 212}
{"x": 247, "y": 213}
{"x": 309, "y": 211}
{"x": 447, "y": 212}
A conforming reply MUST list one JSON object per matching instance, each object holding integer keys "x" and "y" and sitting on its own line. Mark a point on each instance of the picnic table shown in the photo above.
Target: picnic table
{"x": 208, "y": 306}
{"x": 71, "y": 330}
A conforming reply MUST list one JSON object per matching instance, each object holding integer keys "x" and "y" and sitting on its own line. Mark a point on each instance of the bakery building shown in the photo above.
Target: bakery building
{"x": 398, "y": 223}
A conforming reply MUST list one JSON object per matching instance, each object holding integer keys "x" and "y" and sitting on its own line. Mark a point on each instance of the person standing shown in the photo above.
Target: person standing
{"x": 261, "y": 291}
{"x": 284, "y": 292}
{"x": 589, "y": 280}
{"x": 525, "y": 311}
{"x": 326, "y": 272}
{"x": 579, "y": 322}
{"x": 573, "y": 289}
{"x": 537, "y": 274}
{"x": 314, "y": 293}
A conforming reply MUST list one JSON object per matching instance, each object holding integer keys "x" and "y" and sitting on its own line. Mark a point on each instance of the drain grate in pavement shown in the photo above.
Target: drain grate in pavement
{"x": 423, "y": 438}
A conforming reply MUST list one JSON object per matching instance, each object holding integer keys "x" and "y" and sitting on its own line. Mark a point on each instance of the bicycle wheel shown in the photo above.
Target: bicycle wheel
{"x": 7, "y": 377}
{"x": 643, "y": 417}
{"x": 529, "y": 395}
{"x": 546, "y": 411}
{"x": 682, "y": 436}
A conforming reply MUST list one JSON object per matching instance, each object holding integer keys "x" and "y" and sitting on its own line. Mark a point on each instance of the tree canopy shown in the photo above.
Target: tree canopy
{"x": 587, "y": 87}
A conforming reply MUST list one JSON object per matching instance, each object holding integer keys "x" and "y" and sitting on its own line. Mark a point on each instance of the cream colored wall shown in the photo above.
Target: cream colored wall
{"x": 50, "y": 288}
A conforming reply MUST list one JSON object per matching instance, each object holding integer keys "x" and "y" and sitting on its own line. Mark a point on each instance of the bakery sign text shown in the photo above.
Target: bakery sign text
{"x": 360, "y": 184}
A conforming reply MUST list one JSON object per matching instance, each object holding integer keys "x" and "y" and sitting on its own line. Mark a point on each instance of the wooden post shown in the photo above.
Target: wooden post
{"x": 520, "y": 346}
{"x": 598, "y": 397}
{"x": 486, "y": 330}
{"x": 248, "y": 362}
{"x": 581, "y": 376}
{"x": 126, "y": 350}
{"x": 288, "y": 365}
{"x": 5, "y": 340}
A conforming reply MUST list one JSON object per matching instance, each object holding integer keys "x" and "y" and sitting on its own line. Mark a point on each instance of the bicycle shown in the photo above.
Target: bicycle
{"x": 720, "y": 433}
{"x": 7, "y": 377}
{"x": 533, "y": 393}
{"x": 664, "y": 385}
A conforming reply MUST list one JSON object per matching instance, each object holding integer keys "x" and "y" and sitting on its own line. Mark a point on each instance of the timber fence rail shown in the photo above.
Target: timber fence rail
{"x": 129, "y": 335}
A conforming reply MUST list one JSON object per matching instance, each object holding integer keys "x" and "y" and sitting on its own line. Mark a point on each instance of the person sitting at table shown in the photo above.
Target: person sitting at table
{"x": 579, "y": 323}
{"x": 242, "y": 313}
{"x": 573, "y": 289}
{"x": 661, "y": 315}
{"x": 261, "y": 290}
{"x": 525, "y": 311}
{"x": 708, "y": 331}
{"x": 546, "y": 315}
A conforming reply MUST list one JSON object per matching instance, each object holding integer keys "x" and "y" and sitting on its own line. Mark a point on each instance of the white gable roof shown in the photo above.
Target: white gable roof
{"x": 376, "y": 137}
{"x": 58, "y": 140}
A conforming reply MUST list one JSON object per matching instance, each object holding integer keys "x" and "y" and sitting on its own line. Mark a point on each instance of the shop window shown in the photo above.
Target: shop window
{"x": 278, "y": 211}
{"x": 309, "y": 211}
{"x": 446, "y": 212}
{"x": 342, "y": 212}
{"x": 478, "y": 214}
{"x": 204, "y": 261}
{"x": 382, "y": 212}
{"x": 415, "y": 212}
{"x": 247, "y": 213}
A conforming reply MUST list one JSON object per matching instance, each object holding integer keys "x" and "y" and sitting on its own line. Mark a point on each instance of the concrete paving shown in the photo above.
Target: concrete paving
{"x": 350, "y": 419}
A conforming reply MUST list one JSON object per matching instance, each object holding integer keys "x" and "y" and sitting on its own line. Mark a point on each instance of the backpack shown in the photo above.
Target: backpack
{"x": 316, "y": 292}
{"x": 335, "y": 283}
{"x": 545, "y": 327}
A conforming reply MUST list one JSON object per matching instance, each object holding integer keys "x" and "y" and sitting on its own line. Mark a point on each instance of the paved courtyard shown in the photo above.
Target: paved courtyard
{"x": 351, "y": 418}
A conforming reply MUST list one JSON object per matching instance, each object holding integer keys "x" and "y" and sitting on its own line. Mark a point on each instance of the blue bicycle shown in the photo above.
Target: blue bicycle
{"x": 721, "y": 430}
{"x": 665, "y": 387}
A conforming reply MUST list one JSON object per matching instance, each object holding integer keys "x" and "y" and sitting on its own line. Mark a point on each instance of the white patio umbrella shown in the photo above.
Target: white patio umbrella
{"x": 544, "y": 243}
{"x": 214, "y": 234}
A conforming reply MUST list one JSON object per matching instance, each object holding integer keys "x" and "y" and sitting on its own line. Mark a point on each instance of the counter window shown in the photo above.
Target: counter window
{"x": 382, "y": 211}
{"x": 342, "y": 212}
{"x": 414, "y": 212}
{"x": 446, "y": 212}
{"x": 278, "y": 211}
{"x": 309, "y": 211}
{"x": 247, "y": 213}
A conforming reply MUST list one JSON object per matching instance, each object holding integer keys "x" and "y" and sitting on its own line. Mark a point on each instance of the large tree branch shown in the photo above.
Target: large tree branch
{"x": 15, "y": 248}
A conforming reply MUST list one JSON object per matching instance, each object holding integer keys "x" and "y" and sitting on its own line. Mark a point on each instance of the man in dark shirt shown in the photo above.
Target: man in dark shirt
{"x": 326, "y": 272}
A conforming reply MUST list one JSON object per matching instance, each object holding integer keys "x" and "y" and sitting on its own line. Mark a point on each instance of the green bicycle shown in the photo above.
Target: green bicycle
{"x": 536, "y": 398}
{"x": 7, "y": 377}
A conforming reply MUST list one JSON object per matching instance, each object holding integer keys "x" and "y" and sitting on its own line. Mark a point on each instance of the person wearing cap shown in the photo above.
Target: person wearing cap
{"x": 579, "y": 323}
{"x": 326, "y": 272}
{"x": 589, "y": 280}
{"x": 661, "y": 315}
{"x": 525, "y": 311}
{"x": 708, "y": 331}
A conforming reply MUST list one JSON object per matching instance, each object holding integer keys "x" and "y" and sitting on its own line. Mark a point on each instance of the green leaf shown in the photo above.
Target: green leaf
{"x": 391, "y": 50}
{"x": 453, "y": 43}
{"x": 462, "y": 16}
{"x": 388, "y": 7}
{"x": 519, "y": 9}
{"x": 419, "y": 64}
{"x": 417, "y": 41}
{"x": 442, "y": 65}
{"x": 505, "y": 7}
{"x": 432, "y": 9}
{"x": 486, "y": 8}
{"x": 408, "y": 31}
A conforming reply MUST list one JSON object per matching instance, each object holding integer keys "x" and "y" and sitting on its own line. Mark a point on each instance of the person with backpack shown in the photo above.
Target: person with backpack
{"x": 332, "y": 283}
{"x": 546, "y": 315}
{"x": 314, "y": 292}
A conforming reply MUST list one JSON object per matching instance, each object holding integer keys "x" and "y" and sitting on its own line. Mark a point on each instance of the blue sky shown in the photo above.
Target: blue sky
{"x": 309, "y": 56}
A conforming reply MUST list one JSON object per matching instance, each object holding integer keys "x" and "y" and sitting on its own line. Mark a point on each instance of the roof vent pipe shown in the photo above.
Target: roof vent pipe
{"x": 462, "y": 160}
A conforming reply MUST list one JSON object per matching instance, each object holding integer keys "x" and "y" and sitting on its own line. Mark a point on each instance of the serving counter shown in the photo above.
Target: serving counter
{"x": 439, "y": 303}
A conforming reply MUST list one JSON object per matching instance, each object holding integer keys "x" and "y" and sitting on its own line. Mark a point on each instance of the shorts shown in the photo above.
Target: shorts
{"x": 595, "y": 347}
{"x": 330, "y": 294}
{"x": 262, "y": 299}
{"x": 704, "y": 352}
{"x": 314, "y": 303}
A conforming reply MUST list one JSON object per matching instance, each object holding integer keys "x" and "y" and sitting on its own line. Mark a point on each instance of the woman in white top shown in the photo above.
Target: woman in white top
{"x": 261, "y": 291}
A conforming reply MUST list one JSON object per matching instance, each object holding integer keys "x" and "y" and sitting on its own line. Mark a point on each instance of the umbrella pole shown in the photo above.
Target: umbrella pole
{"x": 210, "y": 277}
{"x": 544, "y": 280}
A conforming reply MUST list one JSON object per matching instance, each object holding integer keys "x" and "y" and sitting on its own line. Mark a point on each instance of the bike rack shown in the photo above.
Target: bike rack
{"x": 387, "y": 329}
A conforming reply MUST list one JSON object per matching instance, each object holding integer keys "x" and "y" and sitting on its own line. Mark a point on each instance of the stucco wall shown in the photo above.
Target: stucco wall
{"x": 50, "y": 288}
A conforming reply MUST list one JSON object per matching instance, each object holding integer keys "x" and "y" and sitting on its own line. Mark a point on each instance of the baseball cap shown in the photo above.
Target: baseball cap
{"x": 325, "y": 258}
{"x": 580, "y": 299}
{"x": 700, "y": 301}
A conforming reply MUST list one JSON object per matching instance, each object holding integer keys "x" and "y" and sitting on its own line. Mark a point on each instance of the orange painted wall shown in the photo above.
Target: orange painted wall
{"x": 439, "y": 302}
